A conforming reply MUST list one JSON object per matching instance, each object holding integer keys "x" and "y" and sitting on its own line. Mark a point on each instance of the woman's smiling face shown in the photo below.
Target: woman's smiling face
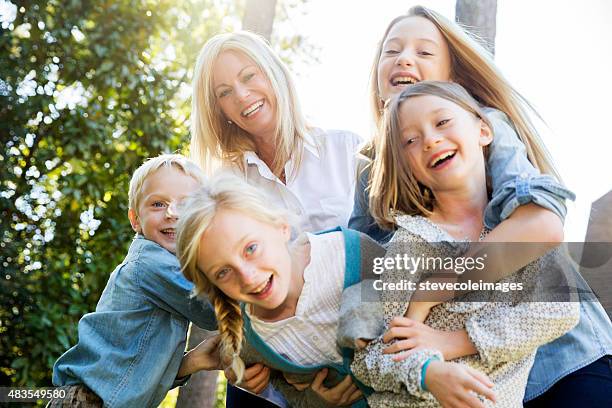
{"x": 247, "y": 259}
{"x": 244, "y": 93}
{"x": 414, "y": 50}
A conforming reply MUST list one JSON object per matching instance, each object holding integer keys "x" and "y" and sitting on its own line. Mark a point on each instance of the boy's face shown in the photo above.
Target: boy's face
{"x": 157, "y": 214}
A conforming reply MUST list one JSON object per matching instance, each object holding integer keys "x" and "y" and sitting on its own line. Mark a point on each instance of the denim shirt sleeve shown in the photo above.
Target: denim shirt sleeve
{"x": 169, "y": 290}
{"x": 361, "y": 219}
{"x": 515, "y": 181}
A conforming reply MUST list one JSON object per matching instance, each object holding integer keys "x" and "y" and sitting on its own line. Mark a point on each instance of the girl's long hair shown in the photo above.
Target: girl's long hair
{"x": 473, "y": 68}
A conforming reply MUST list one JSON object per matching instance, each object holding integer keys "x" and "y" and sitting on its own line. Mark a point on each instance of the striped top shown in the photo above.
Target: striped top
{"x": 309, "y": 337}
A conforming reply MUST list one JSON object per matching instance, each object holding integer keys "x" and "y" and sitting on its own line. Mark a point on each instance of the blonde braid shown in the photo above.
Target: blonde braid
{"x": 229, "y": 321}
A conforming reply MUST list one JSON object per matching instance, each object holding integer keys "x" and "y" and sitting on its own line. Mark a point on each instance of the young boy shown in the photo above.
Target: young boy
{"x": 130, "y": 350}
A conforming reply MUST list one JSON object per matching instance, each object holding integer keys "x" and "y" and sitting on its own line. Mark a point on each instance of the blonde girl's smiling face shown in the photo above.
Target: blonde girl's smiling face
{"x": 244, "y": 93}
{"x": 248, "y": 259}
{"x": 442, "y": 142}
{"x": 414, "y": 50}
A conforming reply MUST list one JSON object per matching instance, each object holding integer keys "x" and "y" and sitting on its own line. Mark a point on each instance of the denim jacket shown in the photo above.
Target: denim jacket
{"x": 514, "y": 182}
{"x": 590, "y": 340}
{"x": 130, "y": 349}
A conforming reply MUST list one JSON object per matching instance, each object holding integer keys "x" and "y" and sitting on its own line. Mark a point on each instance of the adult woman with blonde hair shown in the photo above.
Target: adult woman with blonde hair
{"x": 246, "y": 116}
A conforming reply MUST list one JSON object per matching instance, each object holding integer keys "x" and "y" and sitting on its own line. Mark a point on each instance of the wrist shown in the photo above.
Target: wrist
{"x": 431, "y": 362}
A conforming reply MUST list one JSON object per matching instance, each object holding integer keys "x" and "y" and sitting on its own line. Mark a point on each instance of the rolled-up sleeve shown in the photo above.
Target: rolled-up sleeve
{"x": 515, "y": 181}
{"x": 542, "y": 190}
{"x": 379, "y": 371}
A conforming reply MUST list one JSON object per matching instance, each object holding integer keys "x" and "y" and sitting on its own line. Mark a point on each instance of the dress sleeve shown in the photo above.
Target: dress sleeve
{"x": 380, "y": 372}
{"x": 515, "y": 181}
{"x": 370, "y": 365}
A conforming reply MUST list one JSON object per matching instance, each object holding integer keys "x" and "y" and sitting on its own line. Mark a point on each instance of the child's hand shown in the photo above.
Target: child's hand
{"x": 255, "y": 379}
{"x": 362, "y": 343}
{"x": 207, "y": 353}
{"x": 342, "y": 394}
{"x": 416, "y": 336}
{"x": 452, "y": 384}
{"x": 297, "y": 385}
{"x": 205, "y": 356}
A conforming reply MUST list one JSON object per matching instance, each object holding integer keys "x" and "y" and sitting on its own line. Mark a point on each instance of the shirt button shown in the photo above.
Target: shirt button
{"x": 315, "y": 338}
{"x": 524, "y": 175}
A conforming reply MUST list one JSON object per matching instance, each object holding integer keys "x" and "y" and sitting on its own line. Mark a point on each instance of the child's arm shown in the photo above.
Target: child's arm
{"x": 255, "y": 379}
{"x": 166, "y": 287}
{"x": 506, "y": 333}
{"x": 526, "y": 206}
{"x": 514, "y": 179}
{"x": 205, "y": 356}
{"x": 408, "y": 336}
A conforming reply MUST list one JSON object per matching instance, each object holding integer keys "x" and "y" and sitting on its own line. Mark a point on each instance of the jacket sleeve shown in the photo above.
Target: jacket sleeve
{"x": 515, "y": 181}
{"x": 160, "y": 278}
{"x": 361, "y": 219}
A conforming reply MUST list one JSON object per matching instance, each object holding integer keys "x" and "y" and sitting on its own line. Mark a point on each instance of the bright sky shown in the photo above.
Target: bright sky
{"x": 556, "y": 53}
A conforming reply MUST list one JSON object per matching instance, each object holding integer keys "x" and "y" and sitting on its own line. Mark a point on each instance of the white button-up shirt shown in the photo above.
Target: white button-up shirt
{"x": 321, "y": 192}
{"x": 309, "y": 337}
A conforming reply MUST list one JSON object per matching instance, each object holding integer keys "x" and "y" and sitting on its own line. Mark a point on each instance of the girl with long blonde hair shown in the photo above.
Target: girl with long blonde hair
{"x": 526, "y": 199}
{"x": 276, "y": 299}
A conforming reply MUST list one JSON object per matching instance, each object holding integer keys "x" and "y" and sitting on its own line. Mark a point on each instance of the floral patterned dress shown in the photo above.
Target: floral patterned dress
{"x": 505, "y": 333}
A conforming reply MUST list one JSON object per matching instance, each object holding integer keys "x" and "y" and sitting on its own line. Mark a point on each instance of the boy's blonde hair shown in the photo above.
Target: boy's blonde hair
{"x": 225, "y": 191}
{"x": 213, "y": 138}
{"x": 394, "y": 188}
{"x": 151, "y": 165}
{"x": 473, "y": 68}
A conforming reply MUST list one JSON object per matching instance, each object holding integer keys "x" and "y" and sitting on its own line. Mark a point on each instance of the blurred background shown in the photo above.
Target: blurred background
{"x": 89, "y": 89}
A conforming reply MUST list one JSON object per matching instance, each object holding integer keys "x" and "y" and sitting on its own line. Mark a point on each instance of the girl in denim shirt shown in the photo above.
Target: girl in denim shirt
{"x": 423, "y": 45}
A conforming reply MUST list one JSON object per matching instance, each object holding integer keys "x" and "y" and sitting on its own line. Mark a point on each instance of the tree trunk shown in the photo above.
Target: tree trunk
{"x": 259, "y": 17}
{"x": 479, "y": 16}
{"x": 200, "y": 391}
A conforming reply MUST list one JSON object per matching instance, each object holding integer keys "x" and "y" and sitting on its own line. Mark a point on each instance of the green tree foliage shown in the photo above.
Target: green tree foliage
{"x": 88, "y": 90}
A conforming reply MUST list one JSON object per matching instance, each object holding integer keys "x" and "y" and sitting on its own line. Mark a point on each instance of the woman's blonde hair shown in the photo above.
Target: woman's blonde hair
{"x": 225, "y": 191}
{"x": 394, "y": 188}
{"x": 214, "y": 140}
{"x": 473, "y": 68}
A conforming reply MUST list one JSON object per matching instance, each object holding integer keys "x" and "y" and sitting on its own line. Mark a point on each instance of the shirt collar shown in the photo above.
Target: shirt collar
{"x": 312, "y": 142}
